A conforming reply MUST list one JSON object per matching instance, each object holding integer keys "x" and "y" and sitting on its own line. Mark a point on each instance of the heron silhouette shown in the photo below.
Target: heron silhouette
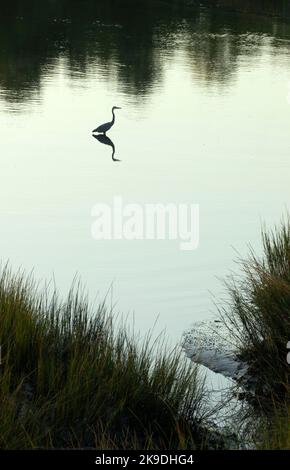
{"x": 104, "y": 139}
{"x": 103, "y": 128}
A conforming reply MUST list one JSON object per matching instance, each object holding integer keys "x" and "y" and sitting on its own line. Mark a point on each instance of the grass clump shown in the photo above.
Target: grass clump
{"x": 258, "y": 314}
{"x": 70, "y": 379}
{"x": 275, "y": 434}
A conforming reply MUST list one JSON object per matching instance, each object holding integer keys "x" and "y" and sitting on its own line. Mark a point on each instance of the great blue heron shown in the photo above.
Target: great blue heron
{"x": 103, "y": 128}
{"x": 104, "y": 139}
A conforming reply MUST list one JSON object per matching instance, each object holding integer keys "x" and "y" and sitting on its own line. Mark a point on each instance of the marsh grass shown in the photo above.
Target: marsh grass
{"x": 70, "y": 379}
{"x": 274, "y": 430}
{"x": 258, "y": 314}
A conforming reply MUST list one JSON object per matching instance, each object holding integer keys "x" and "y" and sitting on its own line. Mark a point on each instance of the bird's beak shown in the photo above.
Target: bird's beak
{"x": 117, "y": 107}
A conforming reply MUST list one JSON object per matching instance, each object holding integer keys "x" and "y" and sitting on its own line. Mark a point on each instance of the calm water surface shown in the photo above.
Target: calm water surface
{"x": 205, "y": 119}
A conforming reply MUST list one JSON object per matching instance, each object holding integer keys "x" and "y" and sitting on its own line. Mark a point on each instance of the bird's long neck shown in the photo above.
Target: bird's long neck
{"x": 113, "y": 120}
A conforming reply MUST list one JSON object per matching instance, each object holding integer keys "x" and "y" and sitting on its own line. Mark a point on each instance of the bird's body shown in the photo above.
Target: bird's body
{"x": 103, "y": 128}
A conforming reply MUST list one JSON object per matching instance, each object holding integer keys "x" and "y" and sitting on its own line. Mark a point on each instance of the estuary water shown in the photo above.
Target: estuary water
{"x": 205, "y": 119}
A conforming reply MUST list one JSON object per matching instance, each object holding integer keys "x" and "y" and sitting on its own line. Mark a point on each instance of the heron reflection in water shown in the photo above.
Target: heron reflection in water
{"x": 104, "y": 139}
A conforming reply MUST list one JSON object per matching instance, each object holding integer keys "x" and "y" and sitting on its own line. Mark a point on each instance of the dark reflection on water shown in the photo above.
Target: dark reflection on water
{"x": 104, "y": 139}
{"x": 129, "y": 42}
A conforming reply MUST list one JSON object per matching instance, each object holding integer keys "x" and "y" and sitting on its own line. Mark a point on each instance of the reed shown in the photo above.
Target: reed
{"x": 257, "y": 315}
{"x": 70, "y": 378}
